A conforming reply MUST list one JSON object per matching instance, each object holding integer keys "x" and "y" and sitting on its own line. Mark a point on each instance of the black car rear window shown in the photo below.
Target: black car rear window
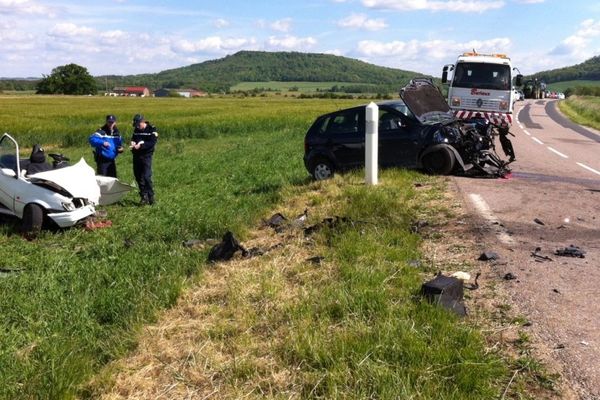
{"x": 343, "y": 122}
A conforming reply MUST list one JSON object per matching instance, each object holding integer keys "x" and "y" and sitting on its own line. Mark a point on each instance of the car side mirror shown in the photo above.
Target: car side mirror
{"x": 9, "y": 172}
{"x": 519, "y": 80}
{"x": 445, "y": 75}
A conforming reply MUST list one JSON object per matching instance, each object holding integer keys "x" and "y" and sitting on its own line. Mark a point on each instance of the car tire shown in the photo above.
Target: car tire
{"x": 33, "y": 218}
{"x": 440, "y": 162}
{"x": 322, "y": 169}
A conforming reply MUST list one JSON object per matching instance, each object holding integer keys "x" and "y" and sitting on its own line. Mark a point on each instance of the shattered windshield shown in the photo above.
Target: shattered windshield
{"x": 426, "y": 102}
{"x": 482, "y": 76}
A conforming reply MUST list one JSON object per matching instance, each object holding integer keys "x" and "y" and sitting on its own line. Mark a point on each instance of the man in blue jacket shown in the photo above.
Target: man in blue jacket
{"x": 107, "y": 144}
{"x": 142, "y": 146}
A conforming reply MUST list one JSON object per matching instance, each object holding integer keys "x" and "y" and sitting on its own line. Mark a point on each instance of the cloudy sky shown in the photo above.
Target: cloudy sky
{"x": 134, "y": 36}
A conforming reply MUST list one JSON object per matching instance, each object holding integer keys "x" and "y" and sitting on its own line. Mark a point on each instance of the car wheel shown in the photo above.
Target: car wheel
{"x": 33, "y": 218}
{"x": 322, "y": 169}
{"x": 439, "y": 162}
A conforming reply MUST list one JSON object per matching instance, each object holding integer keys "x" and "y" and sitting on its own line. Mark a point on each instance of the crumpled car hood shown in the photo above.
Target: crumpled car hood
{"x": 425, "y": 101}
{"x": 79, "y": 180}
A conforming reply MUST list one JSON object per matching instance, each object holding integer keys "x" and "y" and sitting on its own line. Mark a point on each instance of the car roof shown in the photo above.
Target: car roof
{"x": 386, "y": 103}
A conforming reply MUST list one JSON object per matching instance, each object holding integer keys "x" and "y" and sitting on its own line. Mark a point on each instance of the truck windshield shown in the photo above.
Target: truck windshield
{"x": 482, "y": 76}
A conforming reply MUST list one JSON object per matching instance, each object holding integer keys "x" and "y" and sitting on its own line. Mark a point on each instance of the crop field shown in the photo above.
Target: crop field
{"x": 286, "y": 86}
{"x": 77, "y": 300}
{"x": 562, "y": 86}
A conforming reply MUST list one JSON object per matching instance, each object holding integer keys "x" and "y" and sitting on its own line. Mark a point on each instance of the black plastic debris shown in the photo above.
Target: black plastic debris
{"x": 417, "y": 226}
{"x": 277, "y": 221}
{"x": 488, "y": 256}
{"x": 556, "y": 291}
{"x": 447, "y": 292}
{"x": 475, "y": 285}
{"x": 315, "y": 260}
{"x": 539, "y": 257}
{"x": 539, "y": 221}
{"x": 570, "y": 251}
{"x": 225, "y": 250}
{"x": 509, "y": 276}
{"x": 253, "y": 252}
{"x": 330, "y": 222}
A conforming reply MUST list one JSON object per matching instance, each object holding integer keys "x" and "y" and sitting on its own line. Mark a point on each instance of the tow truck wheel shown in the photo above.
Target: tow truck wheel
{"x": 439, "y": 162}
{"x": 33, "y": 218}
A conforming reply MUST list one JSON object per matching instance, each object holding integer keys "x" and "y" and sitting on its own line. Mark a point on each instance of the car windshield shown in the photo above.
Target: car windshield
{"x": 482, "y": 76}
{"x": 426, "y": 102}
{"x": 8, "y": 153}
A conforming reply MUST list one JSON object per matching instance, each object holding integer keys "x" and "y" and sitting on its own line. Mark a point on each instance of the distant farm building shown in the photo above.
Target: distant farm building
{"x": 166, "y": 92}
{"x": 133, "y": 91}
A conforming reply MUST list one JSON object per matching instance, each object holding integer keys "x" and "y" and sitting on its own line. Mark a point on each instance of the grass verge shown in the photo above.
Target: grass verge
{"x": 583, "y": 110}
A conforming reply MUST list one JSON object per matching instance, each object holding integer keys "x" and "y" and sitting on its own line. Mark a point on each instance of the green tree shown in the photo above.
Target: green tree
{"x": 68, "y": 79}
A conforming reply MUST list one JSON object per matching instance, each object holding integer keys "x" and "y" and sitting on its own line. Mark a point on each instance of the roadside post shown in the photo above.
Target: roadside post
{"x": 371, "y": 144}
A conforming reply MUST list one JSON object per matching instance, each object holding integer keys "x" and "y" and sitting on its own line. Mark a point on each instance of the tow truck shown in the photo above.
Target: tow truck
{"x": 481, "y": 87}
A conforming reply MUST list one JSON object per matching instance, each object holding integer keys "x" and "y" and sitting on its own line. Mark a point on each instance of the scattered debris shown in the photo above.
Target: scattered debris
{"x": 583, "y": 342}
{"x": 556, "y": 291}
{"x": 414, "y": 263}
{"x": 315, "y": 260}
{"x": 509, "y": 276}
{"x": 194, "y": 243}
{"x": 93, "y": 224}
{"x": 330, "y": 222}
{"x": 475, "y": 285}
{"x": 445, "y": 291}
{"x": 538, "y": 257}
{"x": 301, "y": 219}
{"x": 463, "y": 276}
{"x": 7, "y": 271}
{"x": 528, "y": 323}
{"x": 570, "y": 251}
{"x": 488, "y": 256}
{"x": 253, "y": 252}
{"x": 539, "y": 221}
{"x": 128, "y": 243}
{"x": 277, "y": 221}
{"x": 418, "y": 225}
{"x": 559, "y": 346}
{"x": 225, "y": 250}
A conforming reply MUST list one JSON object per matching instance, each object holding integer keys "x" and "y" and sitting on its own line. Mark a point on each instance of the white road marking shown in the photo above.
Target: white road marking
{"x": 589, "y": 168}
{"x": 526, "y": 132}
{"x": 486, "y": 213}
{"x": 537, "y": 140}
{"x": 558, "y": 152}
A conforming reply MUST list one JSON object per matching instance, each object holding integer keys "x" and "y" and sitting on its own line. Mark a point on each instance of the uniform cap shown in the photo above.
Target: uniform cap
{"x": 111, "y": 118}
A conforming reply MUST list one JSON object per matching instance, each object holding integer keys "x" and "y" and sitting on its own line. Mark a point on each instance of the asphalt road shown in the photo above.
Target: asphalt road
{"x": 556, "y": 181}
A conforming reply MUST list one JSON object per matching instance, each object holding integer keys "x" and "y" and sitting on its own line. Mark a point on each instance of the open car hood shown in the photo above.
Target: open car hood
{"x": 79, "y": 180}
{"x": 426, "y": 102}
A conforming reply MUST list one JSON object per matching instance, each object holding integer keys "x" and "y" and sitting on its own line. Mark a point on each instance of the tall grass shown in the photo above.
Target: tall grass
{"x": 584, "y": 110}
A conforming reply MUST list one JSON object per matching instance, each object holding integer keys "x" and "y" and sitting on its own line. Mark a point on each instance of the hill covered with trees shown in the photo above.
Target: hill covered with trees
{"x": 587, "y": 70}
{"x": 260, "y": 66}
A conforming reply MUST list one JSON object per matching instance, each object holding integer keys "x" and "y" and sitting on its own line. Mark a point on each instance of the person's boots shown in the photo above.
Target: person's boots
{"x": 144, "y": 200}
{"x": 150, "y": 199}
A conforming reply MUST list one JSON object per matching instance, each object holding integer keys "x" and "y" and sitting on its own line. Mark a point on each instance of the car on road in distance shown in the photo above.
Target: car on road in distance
{"x": 417, "y": 131}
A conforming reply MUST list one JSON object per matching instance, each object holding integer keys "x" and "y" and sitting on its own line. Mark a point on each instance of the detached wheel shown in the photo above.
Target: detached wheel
{"x": 439, "y": 162}
{"x": 322, "y": 169}
{"x": 33, "y": 218}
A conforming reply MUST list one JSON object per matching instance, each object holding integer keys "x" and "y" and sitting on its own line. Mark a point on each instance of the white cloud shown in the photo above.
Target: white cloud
{"x": 24, "y": 7}
{"x": 290, "y": 43}
{"x": 220, "y": 23}
{"x": 282, "y": 25}
{"x": 578, "y": 45}
{"x": 335, "y": 52}
{"x": 425, "y": 56}
{"x": 530, "y": 1}
{"x": 213, "y": 44}
{"x": 70, "y": 30}
{"x": 469, "y": 6}
{"x": 362, "y": 21}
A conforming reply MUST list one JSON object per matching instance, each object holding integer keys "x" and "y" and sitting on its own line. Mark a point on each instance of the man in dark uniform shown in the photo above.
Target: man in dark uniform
{"x": 142, "y": 146}
{"x": 107, "y": 144}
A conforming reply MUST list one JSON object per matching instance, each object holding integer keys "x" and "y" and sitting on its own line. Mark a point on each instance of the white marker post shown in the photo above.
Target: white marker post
{"x": 371, "y": 144}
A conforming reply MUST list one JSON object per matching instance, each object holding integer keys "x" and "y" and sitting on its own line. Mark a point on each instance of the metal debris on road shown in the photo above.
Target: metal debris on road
{"x": 488, "y": 256}
{"x": 570, "y": 251}
{"x": 539, "y": 221}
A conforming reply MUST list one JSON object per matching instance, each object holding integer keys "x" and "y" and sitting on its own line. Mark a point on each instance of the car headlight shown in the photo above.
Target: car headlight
{"x": 68, "y": 206}
{"x": 456, "y": 101}
{"x": 504, "y": 105}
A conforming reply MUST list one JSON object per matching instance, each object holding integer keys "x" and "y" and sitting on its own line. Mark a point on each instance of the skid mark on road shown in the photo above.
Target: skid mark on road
{"x": 485, "y": 211}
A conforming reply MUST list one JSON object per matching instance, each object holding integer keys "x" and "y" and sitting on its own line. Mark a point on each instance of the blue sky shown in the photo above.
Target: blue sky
{"x": 133, "y": 36}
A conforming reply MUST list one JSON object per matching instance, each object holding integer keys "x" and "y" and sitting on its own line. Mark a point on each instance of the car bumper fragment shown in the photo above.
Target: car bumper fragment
{"x": 70, "y": 218}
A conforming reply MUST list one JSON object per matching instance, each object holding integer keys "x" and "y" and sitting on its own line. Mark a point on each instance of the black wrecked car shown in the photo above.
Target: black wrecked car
{"x": 417, "y": 131}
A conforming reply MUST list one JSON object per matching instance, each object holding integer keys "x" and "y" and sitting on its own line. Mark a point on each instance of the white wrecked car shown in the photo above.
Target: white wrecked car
{"x": 65, "y": 196}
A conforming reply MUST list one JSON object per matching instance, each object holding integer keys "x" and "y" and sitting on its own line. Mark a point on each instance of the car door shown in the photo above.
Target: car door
{"x": 345, "y": 135}
{"x": 399, "y": 139}
{"x": 9, "y": 168}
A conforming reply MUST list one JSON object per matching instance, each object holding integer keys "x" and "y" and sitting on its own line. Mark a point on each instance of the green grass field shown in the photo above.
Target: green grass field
{"x": 562, "y": 86}
{"x": 286, "y": 86}
{"x": 81, "y": 297}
